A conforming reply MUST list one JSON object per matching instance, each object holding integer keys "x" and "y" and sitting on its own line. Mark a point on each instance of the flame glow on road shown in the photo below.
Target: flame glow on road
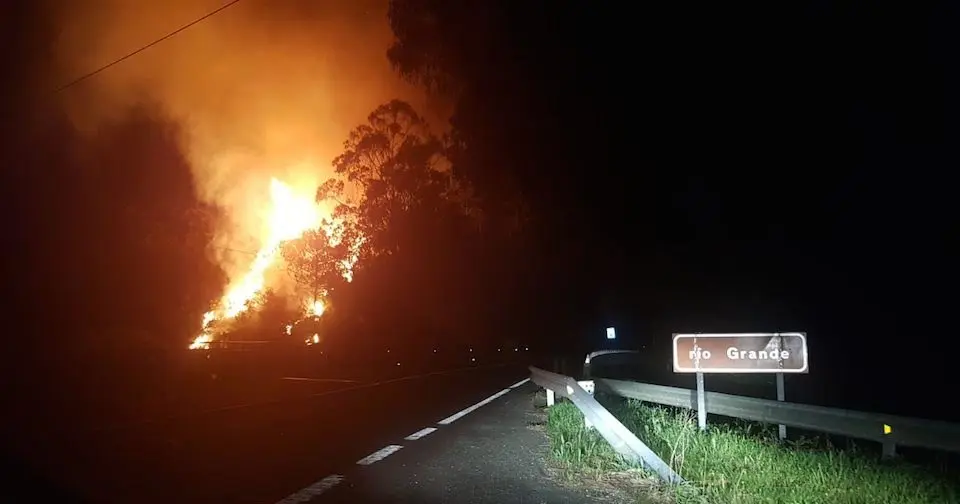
{"x": 290, "y": 216}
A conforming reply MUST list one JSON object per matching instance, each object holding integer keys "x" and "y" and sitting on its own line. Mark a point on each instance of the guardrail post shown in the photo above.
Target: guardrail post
{"x": 889, "y": 445}
{"x": 550, "y": 398}
{"x": 889, "y": 450}
{"x": 619, "y": 436}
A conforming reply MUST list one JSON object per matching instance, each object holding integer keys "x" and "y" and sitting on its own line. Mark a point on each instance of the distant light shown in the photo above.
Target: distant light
{"x": 473, "y": 359}
{"x": 611, "y": 333}
{"x": 498, "y": 349}
{"x": 516, "y": 349}
{"x": 388, "y": 350}
{"x": 526, "y": 349}
{"x": 434, "y": 350}
{"x": 471, "y": 349}
{"x": 398, "y": 363}
{"x": 316, "y": 338}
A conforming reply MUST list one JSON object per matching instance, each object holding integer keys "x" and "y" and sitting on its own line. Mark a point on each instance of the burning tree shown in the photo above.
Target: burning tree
{"x": 321, "y": 260}
{"x": 290, "y": 215}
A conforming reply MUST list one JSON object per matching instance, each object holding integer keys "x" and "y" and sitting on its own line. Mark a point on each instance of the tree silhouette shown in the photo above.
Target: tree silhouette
{"x": 141, "y": 252}
{"x": 114, "y": 246}
{"x": 320, "y": 260}
{"x": 401, "y": 182}
{"x": 521, "y": 138}
{"x": 395, "y": 187}
{"x": 448, "y": 48}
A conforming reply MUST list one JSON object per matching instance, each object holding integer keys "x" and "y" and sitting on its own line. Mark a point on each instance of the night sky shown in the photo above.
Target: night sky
{"x": 790, "y": 175}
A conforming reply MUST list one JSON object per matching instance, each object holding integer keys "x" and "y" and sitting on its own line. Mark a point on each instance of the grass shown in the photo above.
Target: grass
{"x": 743, "y": 463}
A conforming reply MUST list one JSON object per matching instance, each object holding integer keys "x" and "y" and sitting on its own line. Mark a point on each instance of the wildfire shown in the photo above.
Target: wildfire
{"x": 291, "y": 215}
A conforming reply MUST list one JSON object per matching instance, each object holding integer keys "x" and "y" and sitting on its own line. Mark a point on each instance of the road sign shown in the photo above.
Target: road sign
{"x": 611, "y": 333}
{"x": 740, "y": 353}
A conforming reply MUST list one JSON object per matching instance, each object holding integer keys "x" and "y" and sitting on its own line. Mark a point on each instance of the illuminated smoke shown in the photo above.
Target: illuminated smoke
{"x": 263, "y": 90}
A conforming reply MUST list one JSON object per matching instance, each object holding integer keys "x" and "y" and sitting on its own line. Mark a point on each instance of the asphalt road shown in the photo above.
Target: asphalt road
{"x": 494, "y": 454}
{"x": 261, "y": 451}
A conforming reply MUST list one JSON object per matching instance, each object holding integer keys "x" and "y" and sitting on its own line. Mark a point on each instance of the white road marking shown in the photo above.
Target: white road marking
{"x": 456, "y": 416}
{"x": 420, "y": 433}
{"x": 312, "y": 491}
{"x": 379, "y": 455}
{"x": 521, "y": 382}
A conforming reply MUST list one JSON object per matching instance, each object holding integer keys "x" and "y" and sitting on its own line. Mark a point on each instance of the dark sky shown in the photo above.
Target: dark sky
{"x": 797, "y": 157}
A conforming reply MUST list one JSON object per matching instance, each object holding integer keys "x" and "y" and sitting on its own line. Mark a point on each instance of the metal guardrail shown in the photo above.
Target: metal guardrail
{"x": 619, "y": 437}
{"x": 890, "y": 430}
{"x": 601, "y": 353}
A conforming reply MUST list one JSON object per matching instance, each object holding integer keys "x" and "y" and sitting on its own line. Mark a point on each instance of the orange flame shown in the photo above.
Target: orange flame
{"x": 291, "y": 215}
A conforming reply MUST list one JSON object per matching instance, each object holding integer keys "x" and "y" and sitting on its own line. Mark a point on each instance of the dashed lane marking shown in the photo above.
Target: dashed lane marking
{"x": 420, "y": 433}
{"x": 379, "y": 454}
{"x": 312, "y": 491}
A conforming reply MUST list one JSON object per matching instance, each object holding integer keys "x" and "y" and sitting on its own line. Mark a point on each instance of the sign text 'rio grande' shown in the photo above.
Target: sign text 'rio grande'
{"x": 740, "y": 353}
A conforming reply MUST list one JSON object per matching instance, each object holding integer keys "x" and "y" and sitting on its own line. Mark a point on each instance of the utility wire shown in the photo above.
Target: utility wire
{"x": 228, "y": 249}
{"x": 121, "y": 59}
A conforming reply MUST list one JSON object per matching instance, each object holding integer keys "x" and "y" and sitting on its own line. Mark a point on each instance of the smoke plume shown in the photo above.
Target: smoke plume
{"x": 262, "y": 89}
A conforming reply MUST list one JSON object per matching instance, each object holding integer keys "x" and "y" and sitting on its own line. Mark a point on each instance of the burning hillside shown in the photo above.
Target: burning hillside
{"x": 292, "y": 212}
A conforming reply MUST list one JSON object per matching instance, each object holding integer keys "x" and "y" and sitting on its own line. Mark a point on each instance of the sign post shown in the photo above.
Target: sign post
{"x": 777, "y": 353}
{"x": 781, "y": 395}
{"x": 701, "y": 403}
{"x": 781, "y": 429}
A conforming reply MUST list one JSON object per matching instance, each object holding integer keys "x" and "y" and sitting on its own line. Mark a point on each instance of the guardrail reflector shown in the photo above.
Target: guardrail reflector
{"x": 587, "y": 385}
{"x": 887, "y": 429}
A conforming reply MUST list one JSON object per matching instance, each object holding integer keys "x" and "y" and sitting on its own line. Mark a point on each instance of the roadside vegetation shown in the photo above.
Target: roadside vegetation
{"x": 742, "y": 463}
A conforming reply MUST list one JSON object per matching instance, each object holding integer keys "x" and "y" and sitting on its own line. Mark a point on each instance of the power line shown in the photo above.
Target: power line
{"x": 229, "y": 249}
{"x": 199, "y": 20}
